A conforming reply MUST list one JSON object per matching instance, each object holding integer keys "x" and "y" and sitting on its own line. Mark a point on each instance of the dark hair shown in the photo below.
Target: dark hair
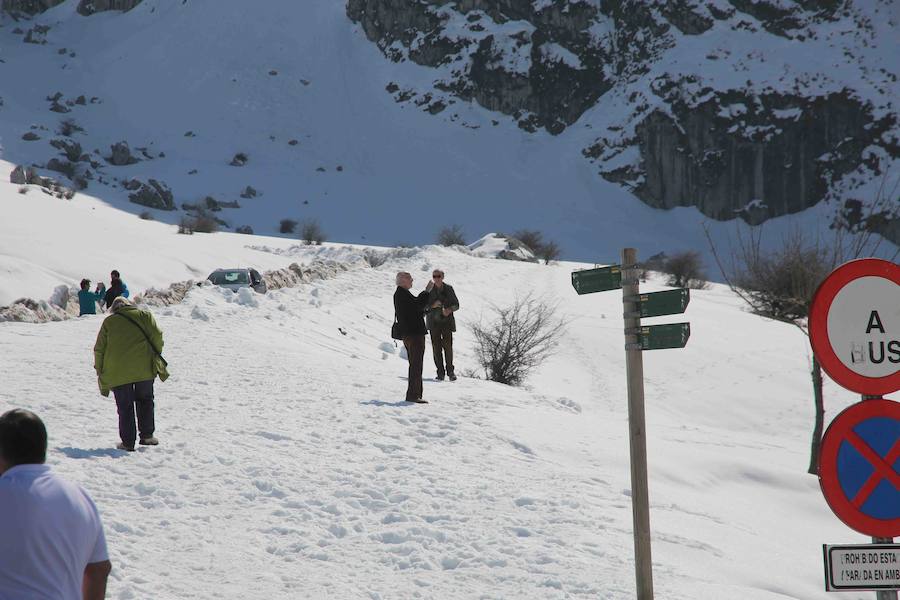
{"x": 85, "y": 283}
{"x": 114, "y": 273}
{"x": 23, "y": 437}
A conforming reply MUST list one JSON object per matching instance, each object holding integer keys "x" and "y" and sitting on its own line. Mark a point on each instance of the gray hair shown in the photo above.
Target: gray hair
{"x": 121, "y": 301}
{"x": 402, "y": 275}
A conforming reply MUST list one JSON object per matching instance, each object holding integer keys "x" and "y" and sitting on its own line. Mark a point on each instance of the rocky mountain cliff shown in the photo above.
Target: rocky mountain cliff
{"x": 85, "y": 7}
{"x": 749, "y": 109}
{"x": 513, "y": 112}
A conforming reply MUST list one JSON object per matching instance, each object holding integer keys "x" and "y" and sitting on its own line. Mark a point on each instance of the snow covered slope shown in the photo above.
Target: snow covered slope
{"x": 298, "y": 90}
{"x": 290, "y": 468}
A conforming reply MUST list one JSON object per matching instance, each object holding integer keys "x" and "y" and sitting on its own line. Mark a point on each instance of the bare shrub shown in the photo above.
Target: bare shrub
{"x": 685, "y": 269}
{"x": 470, "y": 373}
{"x": 58, "y": 191}
{"x": 654, "y": 263}
{"x": 780, "y": 284}
{"x": 68, "y": 127}
{"x": 287, "y": 226}
{"x": 200, "y": 222}
{"x": 146, "y": 215}
{"x": 451, "y": 235}
{"x": 521, "y": 336}
{"x": 534, "y": 240}
{"x": 374, "y": 258}
{"x": 204, "y": 222}
{"x": 549, "y": 251}
{"x": 245, "y": 229}
{"x": 530, "y": 237}
{"x": 62, "y": 166}
{"x": 186, "y": 226}
{"x": 311, "y": 232}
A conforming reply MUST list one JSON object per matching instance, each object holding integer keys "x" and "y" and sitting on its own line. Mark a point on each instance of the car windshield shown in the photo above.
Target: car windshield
{"x": 233, "y": 276}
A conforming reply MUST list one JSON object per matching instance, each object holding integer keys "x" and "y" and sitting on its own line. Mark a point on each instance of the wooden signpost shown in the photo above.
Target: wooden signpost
{"x": 638, "y": 338}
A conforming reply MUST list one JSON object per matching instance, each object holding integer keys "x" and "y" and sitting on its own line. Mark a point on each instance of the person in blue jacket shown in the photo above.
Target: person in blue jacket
{"x": 117, "y": 288}
{"x": 87, "y": 300}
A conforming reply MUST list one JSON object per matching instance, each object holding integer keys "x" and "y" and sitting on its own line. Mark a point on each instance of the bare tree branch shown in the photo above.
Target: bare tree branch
{"x": 521, "y": 337}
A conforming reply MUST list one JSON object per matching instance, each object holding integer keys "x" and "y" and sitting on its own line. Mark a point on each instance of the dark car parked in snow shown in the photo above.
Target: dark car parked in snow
{"x": 234, "y": 279}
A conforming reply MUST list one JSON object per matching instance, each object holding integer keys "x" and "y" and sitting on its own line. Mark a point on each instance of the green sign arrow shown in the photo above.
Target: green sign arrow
{"x": 603, "y": 279}
{"x": 670, "y": 302}
{"x": 660, "y": 337}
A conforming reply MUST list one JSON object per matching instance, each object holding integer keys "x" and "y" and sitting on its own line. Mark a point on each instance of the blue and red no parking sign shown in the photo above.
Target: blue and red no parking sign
{"x": 859, "y": 467}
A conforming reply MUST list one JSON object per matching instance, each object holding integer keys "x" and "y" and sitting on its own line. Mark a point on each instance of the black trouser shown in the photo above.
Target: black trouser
{"x": 442, "y": 348}
{"x": 129, "y": 396}
{"x": 415, "y": 352}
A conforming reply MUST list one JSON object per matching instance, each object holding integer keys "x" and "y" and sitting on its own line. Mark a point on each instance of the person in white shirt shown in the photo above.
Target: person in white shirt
{"x": 52, "y": 545}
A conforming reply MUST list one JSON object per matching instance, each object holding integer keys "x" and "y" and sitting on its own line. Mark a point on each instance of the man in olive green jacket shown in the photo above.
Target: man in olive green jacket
{"x": 439, "y": 319}
{"x": 127, "y": 359}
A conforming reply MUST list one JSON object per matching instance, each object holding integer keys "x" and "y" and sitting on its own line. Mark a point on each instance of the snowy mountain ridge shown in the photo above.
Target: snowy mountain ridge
{"x": 167, "y": 106}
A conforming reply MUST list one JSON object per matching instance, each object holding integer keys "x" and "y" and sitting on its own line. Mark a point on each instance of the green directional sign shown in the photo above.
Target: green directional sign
{"x": 603, "y": 279}
{"x": 660, "y": 337}
{"x": 670, "y": 302}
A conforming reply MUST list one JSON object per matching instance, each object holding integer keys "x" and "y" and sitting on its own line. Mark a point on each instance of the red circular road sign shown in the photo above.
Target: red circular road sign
{"x": 859, "y": 467}
{"x": 854, "y": 326}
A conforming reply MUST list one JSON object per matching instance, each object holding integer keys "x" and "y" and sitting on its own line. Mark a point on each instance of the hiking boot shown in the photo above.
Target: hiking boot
{"x": 150, "y": 441}
{"x": 439, "y": 378}
{"x": 452, "y": 377}
{"x": 122, "y": 446}
{"x": 417, "y": 401}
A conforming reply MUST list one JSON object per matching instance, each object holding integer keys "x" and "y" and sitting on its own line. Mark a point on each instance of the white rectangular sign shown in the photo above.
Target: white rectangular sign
{"x": 862, "y": 567}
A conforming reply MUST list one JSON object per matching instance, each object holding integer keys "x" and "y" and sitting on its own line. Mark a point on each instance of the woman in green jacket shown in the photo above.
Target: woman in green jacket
{"x": 127, "y": 359}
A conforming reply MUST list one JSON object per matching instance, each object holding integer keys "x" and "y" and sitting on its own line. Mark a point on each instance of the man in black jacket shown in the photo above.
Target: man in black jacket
{"x": 117, "y": 288}
{"x": 409, "y": 309}
{"x": 442, "y": 303}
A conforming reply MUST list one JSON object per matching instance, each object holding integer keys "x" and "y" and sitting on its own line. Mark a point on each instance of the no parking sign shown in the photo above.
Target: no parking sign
{"x": 859, "y": 467}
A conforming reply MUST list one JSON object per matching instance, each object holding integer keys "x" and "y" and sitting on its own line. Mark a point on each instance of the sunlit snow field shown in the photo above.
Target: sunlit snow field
{"x": 290, "y": 467}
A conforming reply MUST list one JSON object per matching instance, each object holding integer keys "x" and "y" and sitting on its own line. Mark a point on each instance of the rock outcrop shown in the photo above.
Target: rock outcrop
{"x": 153, "y": 194}
{"x": 89, "y": 7}
{"x": 85, "y": 7}
{"x": 29, "y": 7}
{"x": 687, "y": 130}
{"x": 23, "y": 175}
{"x": 753, "y": 157}
{"x": 541, "y": 67}
{"x": 70, "y": 148}
{"x": 120, "y": 155}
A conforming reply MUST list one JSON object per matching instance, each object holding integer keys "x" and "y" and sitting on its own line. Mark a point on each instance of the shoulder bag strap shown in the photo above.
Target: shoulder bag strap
{"x": 152, "y": 347}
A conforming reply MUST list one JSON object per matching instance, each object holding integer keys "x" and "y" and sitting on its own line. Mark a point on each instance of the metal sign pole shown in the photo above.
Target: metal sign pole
{"x": 881, "y": 594}
{"x": 884, "y": 594}
{"x": 634, "y": 369}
